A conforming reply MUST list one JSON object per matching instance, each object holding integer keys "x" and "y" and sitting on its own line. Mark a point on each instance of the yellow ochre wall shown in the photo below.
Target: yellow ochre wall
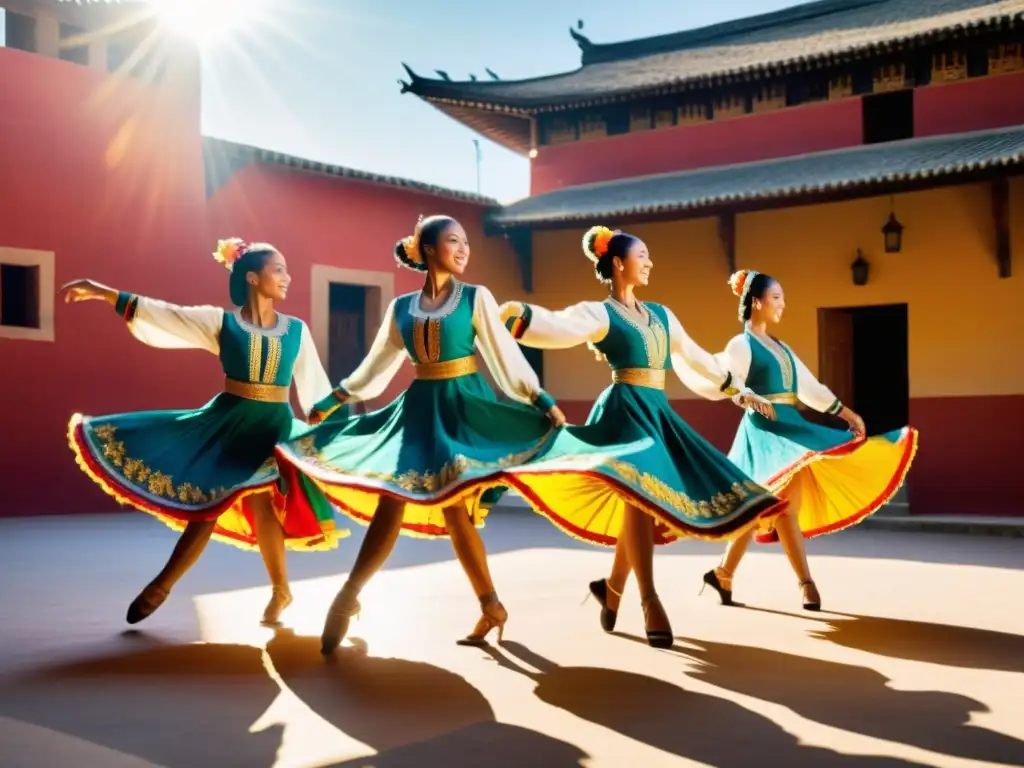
{"x": 963, "y": 319}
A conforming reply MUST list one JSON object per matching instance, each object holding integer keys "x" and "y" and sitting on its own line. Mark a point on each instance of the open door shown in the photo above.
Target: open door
{"x": 836, "y": 353}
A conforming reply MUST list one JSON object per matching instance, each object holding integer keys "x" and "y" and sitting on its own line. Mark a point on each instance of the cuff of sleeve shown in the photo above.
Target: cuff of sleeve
{"x": 126, "y": 305}
{"x": 727, "y": 388}
{"x": 543, "y": 401}
{"x": 337, "y": 399}
{"x": 835, "y": 408}
{"x": 518, "y": 324}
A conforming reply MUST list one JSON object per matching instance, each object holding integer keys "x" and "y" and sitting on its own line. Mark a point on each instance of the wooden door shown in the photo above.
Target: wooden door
{"x": 835, "y": 353}
{"x": 346, "y": 343}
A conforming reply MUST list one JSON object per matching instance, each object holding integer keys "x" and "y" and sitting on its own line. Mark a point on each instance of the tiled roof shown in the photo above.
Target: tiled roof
{"x": 223, "y": 158}
{"x": 805, "y": 36}
{"x": 939, "y": 159}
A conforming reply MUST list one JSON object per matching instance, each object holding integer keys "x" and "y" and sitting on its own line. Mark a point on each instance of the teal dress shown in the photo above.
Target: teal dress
{"x": 204, "y": 464}
{"x": 649, "y": 457}
{"x": 832, "y": 479}
{"x": 444, "y": 441}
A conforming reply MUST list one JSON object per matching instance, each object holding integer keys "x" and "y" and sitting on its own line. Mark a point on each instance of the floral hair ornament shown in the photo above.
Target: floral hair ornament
{"x": 411, "y": 244}
{"x": 229, "y": 251}
{"x": 596, "y": 240}
{"x": 740, "y": 282}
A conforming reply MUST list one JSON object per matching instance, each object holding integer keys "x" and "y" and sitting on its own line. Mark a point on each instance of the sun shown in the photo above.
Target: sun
{"x": 205, "y": 21}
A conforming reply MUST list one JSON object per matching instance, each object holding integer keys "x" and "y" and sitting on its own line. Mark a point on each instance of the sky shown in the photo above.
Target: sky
{"x": 319, "y": 78}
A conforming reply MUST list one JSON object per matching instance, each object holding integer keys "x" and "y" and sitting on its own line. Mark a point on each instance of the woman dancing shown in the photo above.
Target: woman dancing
{"x": 211, "y": 471}
{"x": 666, "y": 481}
{"x": 832, "y": 480}
{"x": 423, "y": 464}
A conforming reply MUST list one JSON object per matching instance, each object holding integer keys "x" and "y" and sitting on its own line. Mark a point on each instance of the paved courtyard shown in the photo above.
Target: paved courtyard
{"x": 919, "y": 659}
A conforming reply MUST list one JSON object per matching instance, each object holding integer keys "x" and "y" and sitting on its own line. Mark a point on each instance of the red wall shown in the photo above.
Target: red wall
{"x": 783, "y": 133}
{"x": 955, "y": 431}
{"x": 106, "y": 172}
{"x": 970, "y": 105}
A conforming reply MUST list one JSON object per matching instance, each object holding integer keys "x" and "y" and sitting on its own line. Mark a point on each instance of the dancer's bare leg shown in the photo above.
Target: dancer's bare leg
{"x": 792, "y": 540}
{"x": 190, "y": 546}
{"x": 380, "y": 539}
{"x": 638, "y": 533}
{"x": 270, "y": 539}
{"x": 472, "y": 554}
{"x": 734, "y": 552}
{"x": 619, "y": 574}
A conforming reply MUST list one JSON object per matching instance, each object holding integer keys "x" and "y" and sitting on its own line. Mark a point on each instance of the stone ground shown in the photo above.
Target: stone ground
{"x": 919, "y": 659}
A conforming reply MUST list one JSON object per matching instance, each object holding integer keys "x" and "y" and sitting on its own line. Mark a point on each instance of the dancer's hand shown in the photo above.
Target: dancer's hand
{"x": 855, "y": 422}
{"x": 316, "y": 417}
{"x": 759, "y": 404}
{"x": 556, "y": 416}
{"x": 85, "y": 290}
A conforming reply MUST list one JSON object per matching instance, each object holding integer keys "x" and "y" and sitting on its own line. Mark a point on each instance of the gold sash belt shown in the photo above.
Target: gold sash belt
{"x": 640, "y": 377}
{"x": 782, "y": 398}
{"x": 448, "y": 369}
{"x": 263, "y": 393}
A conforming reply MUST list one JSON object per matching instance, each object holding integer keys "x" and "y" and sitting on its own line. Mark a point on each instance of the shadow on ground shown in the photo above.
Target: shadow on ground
{"x": 691, "y": 725}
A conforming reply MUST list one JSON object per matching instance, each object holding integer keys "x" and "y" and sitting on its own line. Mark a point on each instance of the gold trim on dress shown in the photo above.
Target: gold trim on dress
{"x": 783, "y": 398}
{"x": 640, "y": 377}
{"x": 263, "y": 393}
{"x": 446, "y": 369}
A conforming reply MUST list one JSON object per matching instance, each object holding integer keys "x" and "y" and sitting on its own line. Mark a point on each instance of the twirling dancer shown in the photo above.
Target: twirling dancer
{"x": 832, "y": 480}
{"x": 423, "y": 463}
{"x": 211, "y": 471}
{"x": 672, "y": 483}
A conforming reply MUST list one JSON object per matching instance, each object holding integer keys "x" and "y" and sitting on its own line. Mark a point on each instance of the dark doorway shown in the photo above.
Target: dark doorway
{"x": 863, "y": 358}
{"x": 19, "y": 296}
{"x": 888, "y": 116}
{"x": 535, "y": 357}
{"x": 346, "y": 335}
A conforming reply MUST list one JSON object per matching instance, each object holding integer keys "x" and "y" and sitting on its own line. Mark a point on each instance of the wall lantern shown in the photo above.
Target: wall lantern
{"x": 893, "y": 233}
{"x": 860, "y": 268}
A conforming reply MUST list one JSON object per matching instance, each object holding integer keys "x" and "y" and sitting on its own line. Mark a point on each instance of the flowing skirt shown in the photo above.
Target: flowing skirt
{"x": 636, "y": 450}
{"x": 833, "y": 479}
{"x": 441, "y": 443}
{"x": 203, "y": 465}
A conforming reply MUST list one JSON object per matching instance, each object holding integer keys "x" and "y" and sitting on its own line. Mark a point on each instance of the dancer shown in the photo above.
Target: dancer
{"x": 665, "y": 481}
{"x": 211, "y": 471}
{"x": 423, "y": 464}
{"x": 832, "y": 480}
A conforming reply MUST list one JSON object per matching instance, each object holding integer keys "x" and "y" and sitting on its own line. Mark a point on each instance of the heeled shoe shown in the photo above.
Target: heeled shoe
{"x": 143, "y": 606}
{"x": 344, "y": 607}
{"x": 718, "y": 583}
{"x": 599, "y": 590}
{"x": 811, "y": 598}
{"x": 656, "y": 638}
{"x": 493, "y": 616}
{"x": 279, "y": 600}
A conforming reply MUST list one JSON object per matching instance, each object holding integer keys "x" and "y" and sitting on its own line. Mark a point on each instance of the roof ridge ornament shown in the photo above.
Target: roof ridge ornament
{"x": 581, "y": 40}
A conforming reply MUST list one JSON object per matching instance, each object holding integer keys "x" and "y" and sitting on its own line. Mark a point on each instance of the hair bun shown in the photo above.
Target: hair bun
{"x": 595, "y": 242}
{"x": 738, "y": 280}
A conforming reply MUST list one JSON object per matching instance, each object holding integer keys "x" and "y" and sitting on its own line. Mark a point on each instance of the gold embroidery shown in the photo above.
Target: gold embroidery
{"x": 652, "y": 333}
{"x": 273, "y": 359}
{"x": 433, "y": 340}
{"x": 141, "y": 476}
{"x": 782, "y": 398}
{"x": 263, "y": 393}
{"x": 449, "y": 369}
{"x": 419, "y": 341}
{"x": 640, "y": 377}
{"x": 255, "y": 356}
{"x": 720, "y": 505}
{"x": 781, "y": 355}
{"x": 422, "y": 482}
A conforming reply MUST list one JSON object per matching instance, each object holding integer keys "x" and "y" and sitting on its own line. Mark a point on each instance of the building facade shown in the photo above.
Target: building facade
{"x": 785, "y": 143}
{"x": 104, "y": 174}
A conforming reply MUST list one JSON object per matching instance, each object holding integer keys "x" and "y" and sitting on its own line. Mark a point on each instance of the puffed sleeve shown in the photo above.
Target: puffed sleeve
{"x": 697, "y": 368}
{"x": 540, "y": 328}
{"x": 311, "y": 382}
{"x": 169, "y": 326}
{"x": 502, "y": 355}
{"x": 812, "y": 392}
{"x": 736, "y": 360}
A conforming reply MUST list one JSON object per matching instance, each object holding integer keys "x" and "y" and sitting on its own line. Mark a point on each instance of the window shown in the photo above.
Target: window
{"x": 26, "y": 294}
{"x": 19, "y": 31}
{"x": 73, "y": 47}
{"x": 888, "y": 116}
